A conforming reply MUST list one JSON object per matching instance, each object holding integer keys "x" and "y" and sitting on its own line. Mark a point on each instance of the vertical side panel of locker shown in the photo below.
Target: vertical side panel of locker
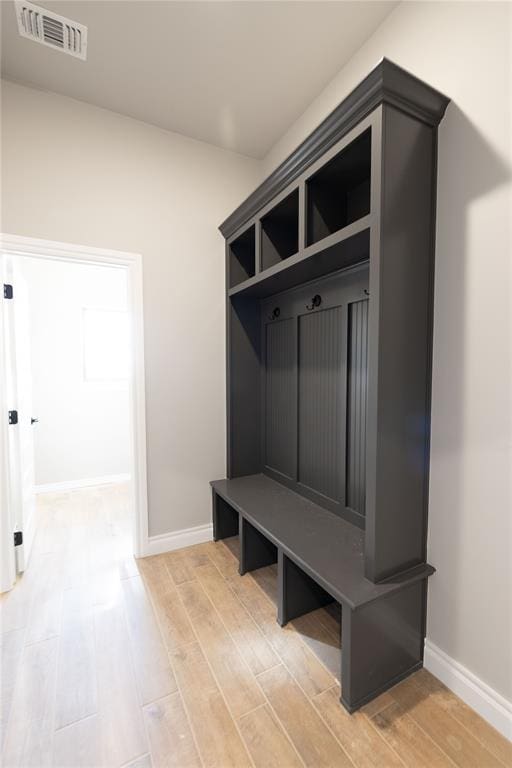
{"x": 280, "y": 424}
{"x": 357, "y": 384}
{"x": 244, "y": 390}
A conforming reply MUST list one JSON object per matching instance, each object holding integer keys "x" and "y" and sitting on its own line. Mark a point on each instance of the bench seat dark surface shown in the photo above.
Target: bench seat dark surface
{"x": 325, "y": 546}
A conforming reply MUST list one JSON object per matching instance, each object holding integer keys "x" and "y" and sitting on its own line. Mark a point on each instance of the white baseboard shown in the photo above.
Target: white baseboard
{"x": 72, "y": 485}
{"x": 489, "y": 704}
{"x": 167, "y": 542}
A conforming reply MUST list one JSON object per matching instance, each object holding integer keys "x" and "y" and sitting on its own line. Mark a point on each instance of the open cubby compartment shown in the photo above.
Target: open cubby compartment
{"x": 225, "y": 519}
{"x": 339, "y": 193}
{"x": 242, "y": 257}
{"x": 256, "y": 550}
{"x": 280, "y": 231}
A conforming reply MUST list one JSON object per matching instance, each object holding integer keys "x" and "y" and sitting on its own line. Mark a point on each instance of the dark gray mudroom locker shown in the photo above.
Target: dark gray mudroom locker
{"x": 330, "y": 275}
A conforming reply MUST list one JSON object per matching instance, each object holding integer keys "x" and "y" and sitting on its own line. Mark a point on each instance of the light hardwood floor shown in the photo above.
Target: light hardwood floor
{"x": 176, "y": 660}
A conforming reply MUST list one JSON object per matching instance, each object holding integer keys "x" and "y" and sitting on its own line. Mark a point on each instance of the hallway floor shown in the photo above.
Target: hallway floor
{"x": 176, "y": 660}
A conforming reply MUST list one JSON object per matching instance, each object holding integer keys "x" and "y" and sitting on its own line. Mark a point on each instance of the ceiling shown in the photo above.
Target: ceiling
{"x": 234, "y": 74}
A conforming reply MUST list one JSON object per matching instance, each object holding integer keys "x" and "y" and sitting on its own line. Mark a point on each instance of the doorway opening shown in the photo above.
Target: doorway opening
{"x": 72, "y": 390}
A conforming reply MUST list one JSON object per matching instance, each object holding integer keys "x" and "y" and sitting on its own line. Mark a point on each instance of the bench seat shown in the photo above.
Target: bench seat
{"x": 326, "y": 547}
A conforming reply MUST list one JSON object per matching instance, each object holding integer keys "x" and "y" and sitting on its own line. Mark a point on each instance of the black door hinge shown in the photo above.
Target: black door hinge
{"x": 18, "y": 538}
{"x": 13, "y": 417}
{"x": 8, "y": 292}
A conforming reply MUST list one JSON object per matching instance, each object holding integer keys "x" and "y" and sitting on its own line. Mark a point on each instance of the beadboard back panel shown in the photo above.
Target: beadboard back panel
{"x": 314, "y": 381}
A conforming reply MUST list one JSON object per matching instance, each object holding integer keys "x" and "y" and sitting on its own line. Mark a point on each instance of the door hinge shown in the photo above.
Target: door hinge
{"x": 18, "y": 538}
{"x": 8, "y": 292}
{"x": 13, "y": 417}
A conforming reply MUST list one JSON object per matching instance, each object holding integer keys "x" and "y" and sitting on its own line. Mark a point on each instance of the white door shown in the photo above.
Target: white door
{"x": 20, "y": 434}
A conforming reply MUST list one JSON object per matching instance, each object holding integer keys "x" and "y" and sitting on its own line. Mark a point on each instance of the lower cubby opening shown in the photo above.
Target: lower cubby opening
{"x": 319, "y": 629}
{"x": 312, "y": 612}
{"x": 225, "y": 519}
{"x": 256, "y": 551}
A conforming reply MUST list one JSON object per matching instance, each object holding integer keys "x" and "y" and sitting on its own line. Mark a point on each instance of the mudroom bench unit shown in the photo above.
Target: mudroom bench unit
{"x": 329, "y": 302}
{"x": 320, "y": 558}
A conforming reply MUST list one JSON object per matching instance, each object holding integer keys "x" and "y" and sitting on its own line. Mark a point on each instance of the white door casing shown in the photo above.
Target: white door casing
{"x": 7, "y": 558}
{"x": 19, "y": 392}
{"x": 12, "y": 246}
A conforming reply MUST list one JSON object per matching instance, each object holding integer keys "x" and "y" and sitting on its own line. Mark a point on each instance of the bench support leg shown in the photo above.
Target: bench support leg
{"x": 225, "y": 519}
{"x": 256, "y": 551}
{"x": 297, "y": 592}
{"x": 381, "y": 643}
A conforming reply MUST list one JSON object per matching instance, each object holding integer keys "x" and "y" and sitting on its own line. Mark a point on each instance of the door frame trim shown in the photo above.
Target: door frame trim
{"x": 7, "y": 555}
{"x": 132, "y": 263}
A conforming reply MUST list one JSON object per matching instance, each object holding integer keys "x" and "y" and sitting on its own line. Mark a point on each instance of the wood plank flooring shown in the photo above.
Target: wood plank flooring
{"x": 176, "y": 661}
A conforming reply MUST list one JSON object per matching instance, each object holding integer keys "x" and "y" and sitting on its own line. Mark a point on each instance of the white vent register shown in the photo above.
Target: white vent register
{"x": 50, "y": 29}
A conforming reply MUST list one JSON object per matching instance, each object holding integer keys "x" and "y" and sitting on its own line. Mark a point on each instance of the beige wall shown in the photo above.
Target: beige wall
{"x": 462, "y": 49}
{"x": 80, "y": 174}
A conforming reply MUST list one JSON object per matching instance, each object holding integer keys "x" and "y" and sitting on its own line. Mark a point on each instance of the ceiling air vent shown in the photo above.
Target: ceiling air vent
{"x": 51, "y": 29}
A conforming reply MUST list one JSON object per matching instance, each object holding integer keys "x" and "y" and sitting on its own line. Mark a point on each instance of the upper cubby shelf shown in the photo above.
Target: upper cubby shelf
{"x": 280, "y": 231}
{"x": 242, "y": 257}
{"x": 344, "y": 249}
{"x": 339, "y": 192}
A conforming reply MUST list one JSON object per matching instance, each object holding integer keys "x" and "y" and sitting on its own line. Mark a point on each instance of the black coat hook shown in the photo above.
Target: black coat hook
{"x": 315, "y": 302}
{"x": 275, "y": 313}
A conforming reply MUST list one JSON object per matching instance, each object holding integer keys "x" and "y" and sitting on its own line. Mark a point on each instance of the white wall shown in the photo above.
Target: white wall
{"x": 464, "y": 50}
{"x": 84, "y": 426}
{"x": 79, "y": 174}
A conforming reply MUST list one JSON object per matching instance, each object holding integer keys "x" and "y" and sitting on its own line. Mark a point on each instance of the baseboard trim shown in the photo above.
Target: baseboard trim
{"x": 167, "y": 542}
{"x": 489, "y": 704}
{"x": 72, "y": 485}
